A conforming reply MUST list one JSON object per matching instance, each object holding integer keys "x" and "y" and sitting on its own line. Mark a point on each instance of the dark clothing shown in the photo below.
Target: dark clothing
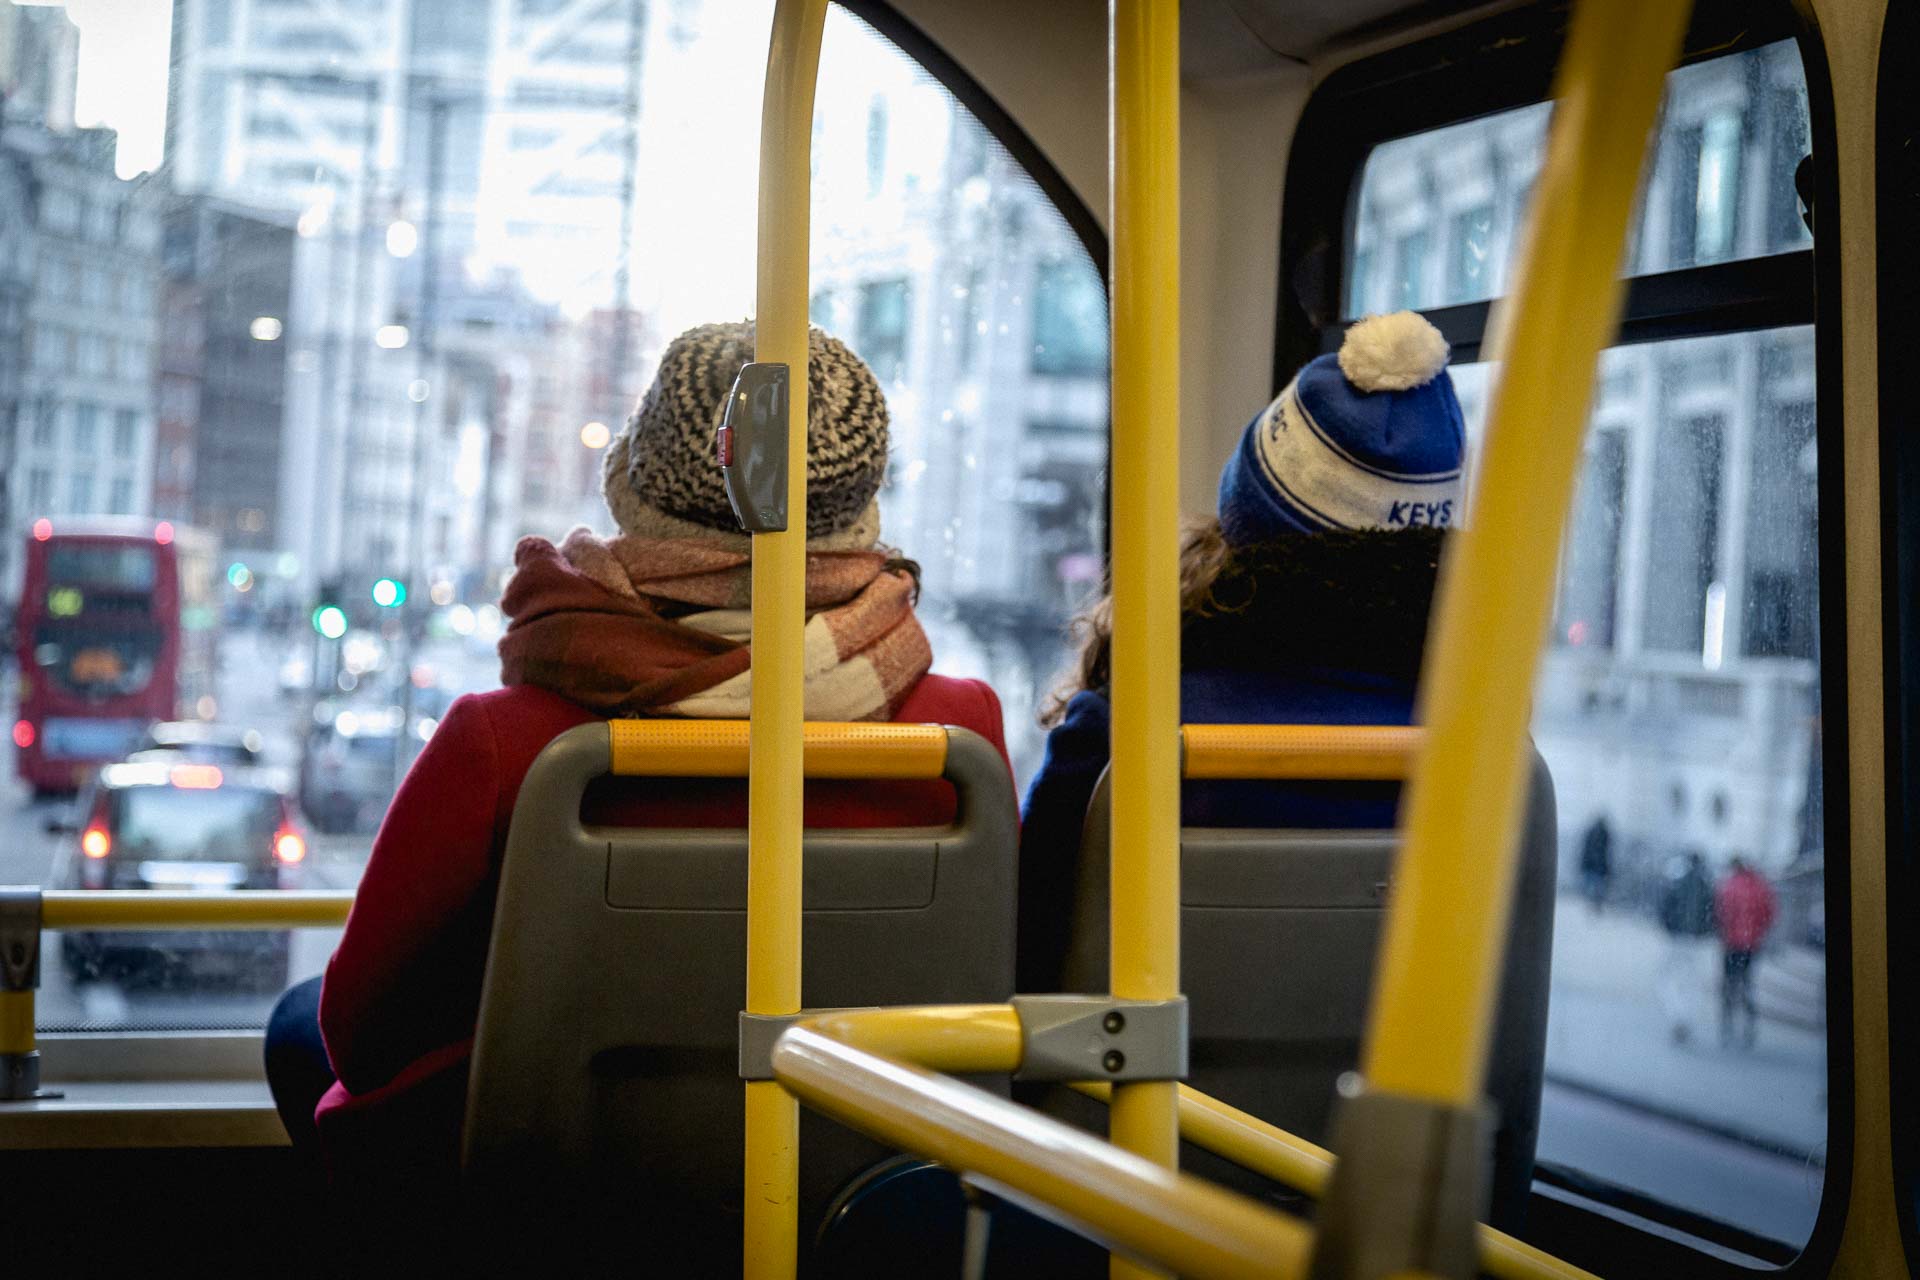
{"x": 1315, "y": 630}
{"x": 1686, "y": 904}
{"x": 1736, "y": 993}
{"x": 297, "y": 1068}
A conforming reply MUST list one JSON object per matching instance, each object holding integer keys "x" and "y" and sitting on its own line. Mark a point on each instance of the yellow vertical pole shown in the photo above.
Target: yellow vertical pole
{"x": 1145, "y": 107}
{"x": 1438, "y": 974}
{"x": 774, "y": 749}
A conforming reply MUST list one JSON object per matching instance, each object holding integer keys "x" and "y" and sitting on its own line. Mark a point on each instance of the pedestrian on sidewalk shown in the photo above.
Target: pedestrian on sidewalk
{"x": 1743, "y": 908}
{"x": 1686, "y": 916}
{"x": 1596, "y": 861}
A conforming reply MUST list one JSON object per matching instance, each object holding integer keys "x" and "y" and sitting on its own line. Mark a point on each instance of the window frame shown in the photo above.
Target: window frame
{"x": 1506, "y": 62}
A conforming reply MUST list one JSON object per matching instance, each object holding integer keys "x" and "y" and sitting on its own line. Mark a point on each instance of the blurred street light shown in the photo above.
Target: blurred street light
{"x": 391, "y": 337}
{"x": 265, "y": 329}
{"x": 402, "y": 238}
{"x": 595, "y": 435}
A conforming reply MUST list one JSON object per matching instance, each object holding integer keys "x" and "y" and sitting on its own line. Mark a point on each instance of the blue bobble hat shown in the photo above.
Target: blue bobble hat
{"x": 1370, "y": 438}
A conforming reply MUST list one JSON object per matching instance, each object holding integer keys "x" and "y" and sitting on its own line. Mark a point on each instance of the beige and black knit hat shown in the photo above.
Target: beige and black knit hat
{"x": 660, "y": 477}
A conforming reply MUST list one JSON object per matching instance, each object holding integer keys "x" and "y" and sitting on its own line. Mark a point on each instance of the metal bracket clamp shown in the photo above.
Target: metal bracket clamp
{"x": 750, "y": 445}
{"x": 1079, "y": 1037}
{"x": 1411, "y": 1183}
{"x": 19, "y": 977}
{"x": 758, "y": 1031}
{"x": 19, "y": 938}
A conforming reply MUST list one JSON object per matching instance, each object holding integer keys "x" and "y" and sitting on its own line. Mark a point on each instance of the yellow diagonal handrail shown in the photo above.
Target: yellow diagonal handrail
{"x": 1113, "y": 1196}
{"x": 1272, "y": 1152}
{"x": 774, "y": 780}
{"x": 1145, "y": 922}
{"x": 1437, "y": 978}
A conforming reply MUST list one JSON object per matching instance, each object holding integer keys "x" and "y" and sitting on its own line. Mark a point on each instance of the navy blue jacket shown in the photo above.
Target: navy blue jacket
{"x": 1077, "y": 752}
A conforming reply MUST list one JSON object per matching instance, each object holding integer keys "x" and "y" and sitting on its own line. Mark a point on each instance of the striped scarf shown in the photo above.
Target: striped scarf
{"x": 660, "y": 627}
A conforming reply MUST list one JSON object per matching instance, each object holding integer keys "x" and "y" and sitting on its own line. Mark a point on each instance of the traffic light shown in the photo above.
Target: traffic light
{"x": 388, "y": 593}
{"x": 329, "y": 619}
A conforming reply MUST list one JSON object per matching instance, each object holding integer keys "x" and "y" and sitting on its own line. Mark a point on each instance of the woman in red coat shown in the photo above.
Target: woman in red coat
{"x": 653, "y": 622}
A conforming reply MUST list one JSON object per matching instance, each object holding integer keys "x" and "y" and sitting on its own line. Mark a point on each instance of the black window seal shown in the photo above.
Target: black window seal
{"x": 1508, "y": 61}
{"x": 1897, "y": 205}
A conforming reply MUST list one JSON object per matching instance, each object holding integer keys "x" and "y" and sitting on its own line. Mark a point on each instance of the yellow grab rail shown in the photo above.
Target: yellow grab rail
{"x": 1324, "y": 752}
{"x": 1116, "y": 1197}
{"x": 238, "y": 909}
{"x": 1272, "y": 1152}
{"x": 772, "y": 1156}
{"x": 962, "y": 1038}
{"x": 719, "y": 749}
{"x": 1436, "y": 980}
{"x": 1145, "y": 922}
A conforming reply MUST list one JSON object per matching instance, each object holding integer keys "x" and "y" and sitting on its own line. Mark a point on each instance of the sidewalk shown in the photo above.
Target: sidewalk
{"x": 1608, "y": 1033}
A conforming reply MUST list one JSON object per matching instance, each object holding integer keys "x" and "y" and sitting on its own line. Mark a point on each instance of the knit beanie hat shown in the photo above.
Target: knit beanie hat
{"x": 659, "y": 474}
{"x": 1369, "y": 439}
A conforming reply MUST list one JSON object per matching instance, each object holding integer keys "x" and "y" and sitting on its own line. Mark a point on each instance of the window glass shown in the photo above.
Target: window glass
{"x": 1678, "y": 705}
{"x": 450, "y": 347}
{"x": 1679, "y": 712}
{"x": 1732, "y": 131}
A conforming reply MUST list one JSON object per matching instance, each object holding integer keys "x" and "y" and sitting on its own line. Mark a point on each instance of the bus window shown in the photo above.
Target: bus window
{"x": 414, "y": 278}
{"x": 1679, "y": 703}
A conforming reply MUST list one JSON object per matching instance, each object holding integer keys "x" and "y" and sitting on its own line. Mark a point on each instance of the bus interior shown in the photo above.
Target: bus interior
{"x": 369, "y": 289}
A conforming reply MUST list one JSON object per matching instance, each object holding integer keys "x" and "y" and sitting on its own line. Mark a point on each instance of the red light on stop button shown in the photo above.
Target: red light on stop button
{"x": 723, "y": 445}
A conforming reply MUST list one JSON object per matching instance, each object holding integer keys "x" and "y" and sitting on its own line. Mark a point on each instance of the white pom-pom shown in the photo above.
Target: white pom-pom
{"x": 1392, "y": 352}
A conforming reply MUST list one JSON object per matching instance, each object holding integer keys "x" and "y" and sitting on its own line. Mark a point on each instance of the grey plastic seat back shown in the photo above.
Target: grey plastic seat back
{"x": 1278, "y": 932}
{"x": 605, "y": 1062}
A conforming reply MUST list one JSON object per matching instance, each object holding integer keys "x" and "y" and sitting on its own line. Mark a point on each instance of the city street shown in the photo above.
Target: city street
{"x": 1737, "y": 1134}
{"x": 250, "y": 697}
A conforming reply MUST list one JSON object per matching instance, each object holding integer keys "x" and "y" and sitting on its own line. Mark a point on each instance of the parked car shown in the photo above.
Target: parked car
{"x": 165, "y": 821}
{"x": 347, "y": 767}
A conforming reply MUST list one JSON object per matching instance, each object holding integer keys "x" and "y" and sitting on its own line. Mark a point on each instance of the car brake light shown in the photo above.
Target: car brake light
{"x": 23, "y": 734}
{"x": 96, "y": 843}
{"x": 195, "y": 777}
{"x": 42, "y": 530}
{"x": 289, "y": 847}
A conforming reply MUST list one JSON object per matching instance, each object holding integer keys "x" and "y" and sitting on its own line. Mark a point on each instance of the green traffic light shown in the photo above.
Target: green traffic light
{"x": 330, "y": 620}
{"x": 389, "y": 594}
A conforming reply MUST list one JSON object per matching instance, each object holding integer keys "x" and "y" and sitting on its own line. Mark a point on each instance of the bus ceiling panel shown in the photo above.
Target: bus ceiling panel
{"x": 1301, "y": 30}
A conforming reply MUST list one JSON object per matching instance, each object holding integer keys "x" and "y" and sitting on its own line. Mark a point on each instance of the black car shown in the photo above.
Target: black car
{"x": 165, "y": 821}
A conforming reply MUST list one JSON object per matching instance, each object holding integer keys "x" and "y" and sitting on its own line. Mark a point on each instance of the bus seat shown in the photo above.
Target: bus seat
{"x": 604, "y": 1095}
{"x": 1278, "y": 932}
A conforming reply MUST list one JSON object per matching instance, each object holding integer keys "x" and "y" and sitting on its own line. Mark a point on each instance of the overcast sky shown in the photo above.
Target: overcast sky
{"x": 124, "y": 48}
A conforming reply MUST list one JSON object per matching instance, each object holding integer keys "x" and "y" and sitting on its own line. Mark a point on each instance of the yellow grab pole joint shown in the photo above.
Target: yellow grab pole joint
{"x": 1145, "y": 921}
{"x": 1409, "y": 1181}
{"x": 775, "y": 749}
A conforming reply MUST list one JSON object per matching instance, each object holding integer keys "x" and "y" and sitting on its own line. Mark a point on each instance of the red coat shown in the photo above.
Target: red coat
{"x": 402, "y": 991}
{"x": 1743, "y": 907}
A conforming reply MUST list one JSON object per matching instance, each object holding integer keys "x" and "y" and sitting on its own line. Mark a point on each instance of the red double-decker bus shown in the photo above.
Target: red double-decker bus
{"x": 115, "y": 631}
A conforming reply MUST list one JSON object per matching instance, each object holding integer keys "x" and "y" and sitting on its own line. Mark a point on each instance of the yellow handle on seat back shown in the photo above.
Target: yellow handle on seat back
{"x": 718, "y": 749}
{"x": 1319, "y": 752}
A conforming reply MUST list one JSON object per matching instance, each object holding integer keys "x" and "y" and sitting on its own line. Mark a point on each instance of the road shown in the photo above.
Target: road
{"x": 249, "y": 695}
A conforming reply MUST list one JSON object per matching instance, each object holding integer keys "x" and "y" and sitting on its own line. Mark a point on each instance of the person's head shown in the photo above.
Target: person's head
{"x": 1352, "y": 470}
{"x": 659, "y": 474}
